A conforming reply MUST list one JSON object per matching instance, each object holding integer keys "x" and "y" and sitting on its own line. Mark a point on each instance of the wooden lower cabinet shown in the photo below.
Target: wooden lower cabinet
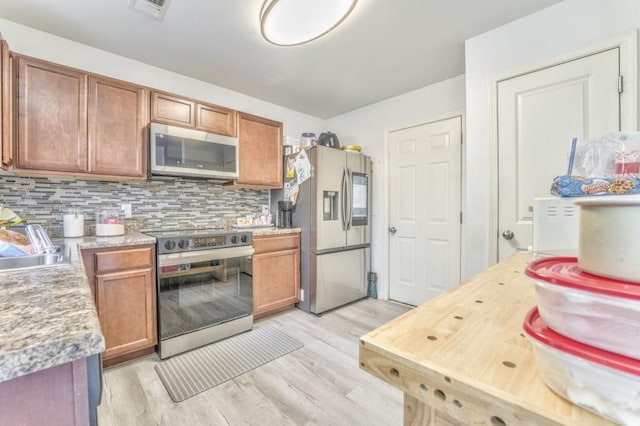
{"x": 54, "y": 396}
{"x": 276, "y": 273}
{"x": 123, "y": 281}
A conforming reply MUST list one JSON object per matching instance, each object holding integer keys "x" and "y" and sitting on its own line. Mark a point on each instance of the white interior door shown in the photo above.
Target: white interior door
{"x": 538, "y": 115}
{"x": 424, "y": 210}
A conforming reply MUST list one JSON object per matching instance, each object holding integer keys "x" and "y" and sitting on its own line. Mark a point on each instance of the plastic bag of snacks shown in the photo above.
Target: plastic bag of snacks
{"x": 609, "y": 165}
{"x": 615, "y": 154}
{"x": 575, "y": 186}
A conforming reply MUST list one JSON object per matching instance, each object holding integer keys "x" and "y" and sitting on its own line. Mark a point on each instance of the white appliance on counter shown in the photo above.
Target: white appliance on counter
{"x": 555, "y": 226}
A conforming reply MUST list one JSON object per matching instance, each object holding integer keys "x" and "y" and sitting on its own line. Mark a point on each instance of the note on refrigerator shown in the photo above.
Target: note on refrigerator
{"x": 302, "y": 166}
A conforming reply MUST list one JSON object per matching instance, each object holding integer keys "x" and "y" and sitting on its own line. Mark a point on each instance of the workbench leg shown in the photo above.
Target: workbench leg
{"x": 416, "y": 413}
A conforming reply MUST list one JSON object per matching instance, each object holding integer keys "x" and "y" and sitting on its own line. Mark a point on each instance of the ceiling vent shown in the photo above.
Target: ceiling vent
{"x": 154, "y": 8}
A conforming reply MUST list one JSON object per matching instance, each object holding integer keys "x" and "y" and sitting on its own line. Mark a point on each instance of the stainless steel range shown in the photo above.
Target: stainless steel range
{"x": 205, "y": 289}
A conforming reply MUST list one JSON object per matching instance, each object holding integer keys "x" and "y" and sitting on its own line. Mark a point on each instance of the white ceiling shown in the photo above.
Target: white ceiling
{"x": 385, "y": 47}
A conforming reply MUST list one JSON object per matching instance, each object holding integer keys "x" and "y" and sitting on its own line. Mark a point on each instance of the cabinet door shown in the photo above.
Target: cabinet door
{"x": 118, "y": 118}
{"x": 169, "y": 109}
{"x": 278, "y": 242}
{"x": 276, "y": 281}
{"x": 260, "y": 143}
{"x": 215, "y": 119}
{"x": 6, "y": 131}
{"x": 126, "y": 305}
{"x": 52, "y": 117}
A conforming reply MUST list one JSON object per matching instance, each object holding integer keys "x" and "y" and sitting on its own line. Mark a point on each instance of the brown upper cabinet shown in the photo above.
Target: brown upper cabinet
{"x": 184, "y": 112}
{"x": 72, "y": 122}
{"x": 6, "y": 125}
{"x": 118, "y": 118}
{"x": 260, "y": 155}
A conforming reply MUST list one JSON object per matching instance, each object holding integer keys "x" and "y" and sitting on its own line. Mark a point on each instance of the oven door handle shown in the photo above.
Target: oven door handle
{"x": 204, "y": 255}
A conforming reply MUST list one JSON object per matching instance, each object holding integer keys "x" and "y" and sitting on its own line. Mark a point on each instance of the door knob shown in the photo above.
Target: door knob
{"x": 508, "y": 234}
{"x": 392, "y": 229}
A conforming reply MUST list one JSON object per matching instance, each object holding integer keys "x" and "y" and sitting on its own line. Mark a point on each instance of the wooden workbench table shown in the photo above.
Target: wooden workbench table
{"x": 462, "y": 357}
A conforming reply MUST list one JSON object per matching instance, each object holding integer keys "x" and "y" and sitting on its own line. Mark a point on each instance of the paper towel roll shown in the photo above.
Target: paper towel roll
{"x": 73, "y": 225}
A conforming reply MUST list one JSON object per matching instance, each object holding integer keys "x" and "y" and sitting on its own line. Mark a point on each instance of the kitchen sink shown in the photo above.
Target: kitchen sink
{"x": 59, "y": 257}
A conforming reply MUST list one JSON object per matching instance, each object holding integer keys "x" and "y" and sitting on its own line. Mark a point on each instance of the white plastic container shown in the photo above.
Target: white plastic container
{"x": 600, "y": 381}
{"x": 609, "y": 237}
{"x": 597, "y": 311}
{"x": 73, "y": 224}
{"x": 109, "y": 222}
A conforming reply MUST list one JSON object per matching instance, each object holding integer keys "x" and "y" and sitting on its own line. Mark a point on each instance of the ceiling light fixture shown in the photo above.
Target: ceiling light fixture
{"x": 294, "y": 22}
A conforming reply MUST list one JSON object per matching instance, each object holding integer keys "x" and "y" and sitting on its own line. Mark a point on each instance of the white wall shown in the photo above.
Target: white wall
{"x": 30, "y": 42}
{"x": 368, "y": 127}
{"x": 553, "y": 32}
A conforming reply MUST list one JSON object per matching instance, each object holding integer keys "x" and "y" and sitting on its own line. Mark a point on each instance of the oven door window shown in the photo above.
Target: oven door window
{"x": 203, "y": 293}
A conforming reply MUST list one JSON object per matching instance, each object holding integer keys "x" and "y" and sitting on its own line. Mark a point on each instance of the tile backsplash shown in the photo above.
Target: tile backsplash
{"x": 163, "y": 202}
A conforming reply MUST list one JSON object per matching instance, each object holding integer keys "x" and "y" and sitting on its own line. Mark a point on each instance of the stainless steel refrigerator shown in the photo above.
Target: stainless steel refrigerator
{"x": 333, "y": 208}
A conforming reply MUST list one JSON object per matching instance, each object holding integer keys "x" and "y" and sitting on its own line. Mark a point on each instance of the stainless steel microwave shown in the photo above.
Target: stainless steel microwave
{"x": 177, "y": 151}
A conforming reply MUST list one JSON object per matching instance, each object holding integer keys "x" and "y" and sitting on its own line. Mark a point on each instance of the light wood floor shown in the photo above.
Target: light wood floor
{"x": 319, "y": 384}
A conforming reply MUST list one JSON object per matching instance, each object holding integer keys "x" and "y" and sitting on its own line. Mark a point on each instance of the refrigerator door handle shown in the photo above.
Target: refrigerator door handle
{"x": 343, "y": 200}
{"x": 349, "y": 199}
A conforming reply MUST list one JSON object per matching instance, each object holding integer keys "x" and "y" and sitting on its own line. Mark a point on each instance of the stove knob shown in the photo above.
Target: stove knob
{"x": 234, "y": 239}
{"x": 170, "y": 245}
{"x": 244, "y": 239}
{"x": 183, "y": 244}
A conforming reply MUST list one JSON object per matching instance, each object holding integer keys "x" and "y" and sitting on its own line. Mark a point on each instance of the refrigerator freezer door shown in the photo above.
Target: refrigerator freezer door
{"x": 359, "y": 198}
{"x": 340, "y": 278}
{"x": 329, "y": 174}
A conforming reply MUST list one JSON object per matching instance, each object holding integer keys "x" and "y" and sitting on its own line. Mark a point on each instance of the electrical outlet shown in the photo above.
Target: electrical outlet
{"x": 126, "y": 208}
{"x": 265, "y": 209}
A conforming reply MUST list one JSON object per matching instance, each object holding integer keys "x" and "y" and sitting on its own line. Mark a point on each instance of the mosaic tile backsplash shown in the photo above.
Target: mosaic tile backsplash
{"x": 161, "y": 203}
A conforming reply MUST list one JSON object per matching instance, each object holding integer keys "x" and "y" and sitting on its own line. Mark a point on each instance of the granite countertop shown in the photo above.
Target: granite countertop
{"x": 48, "y": 315}
{"x": 274, "y": 231}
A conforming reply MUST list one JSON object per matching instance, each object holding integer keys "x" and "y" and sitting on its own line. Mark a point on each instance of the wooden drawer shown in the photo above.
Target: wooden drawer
{"x": 115, "y": 260}
{"x": 269, "y": 243}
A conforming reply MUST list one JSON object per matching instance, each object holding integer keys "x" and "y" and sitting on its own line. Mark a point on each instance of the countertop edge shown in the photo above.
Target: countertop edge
{"x": 61, "y": 334}
{"x": 259, "y": 232}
